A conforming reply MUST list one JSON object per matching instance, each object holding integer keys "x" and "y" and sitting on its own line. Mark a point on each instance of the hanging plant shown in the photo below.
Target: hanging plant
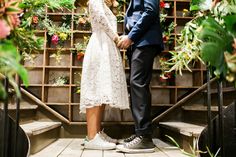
{"x": 210, "y": 38}
{"x": 58, "y": 34}
{"x": 57, "y": 56}
{"x": 82, "y": 20}
{"x": 80, "y": 48}
{"x": 60, "y": 81}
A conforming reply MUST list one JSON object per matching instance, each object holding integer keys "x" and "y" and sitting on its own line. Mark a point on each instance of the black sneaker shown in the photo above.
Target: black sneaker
{"x": 122, "y": 141}
{"x": 139, "y": 144}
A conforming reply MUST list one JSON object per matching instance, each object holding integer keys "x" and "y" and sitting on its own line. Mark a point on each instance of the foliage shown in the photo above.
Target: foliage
{"x": 218, "y": 34}
{"x": 9, "y": 55}
{"x": 80, "y": 47}
{"x": 188, "y": 49}
{"x": 197, "y": 5}
{"x": 62, "y": 80}
{"x": 77, "y": 75}
{"x": 57, "y": 56}
{"x": 54, "y": 29}
{"x": 209, "y": 37}
{"x": 10, "y": 65}
{"x": 120, "y": 14}
{"x": 26, "y": 41}
{"x": 37, "y": 8}
{"x": 17, "y": 20}
{"x": 194, "y": 152}
{"x": 63, "y": 31}
{"x": 82, "y": 20}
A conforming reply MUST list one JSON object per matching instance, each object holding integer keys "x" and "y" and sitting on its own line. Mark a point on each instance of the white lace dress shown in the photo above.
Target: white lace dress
{"x": 103, "y": 77}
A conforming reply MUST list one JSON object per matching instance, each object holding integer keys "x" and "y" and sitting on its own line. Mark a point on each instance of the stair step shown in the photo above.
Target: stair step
{"x": 199, "y": 107}
{"x": 185, "y": 134}
{"x": 36, "y": 127}
{"x": 23, "y": 106}
{"x": 186, "y": 129}
{"x": 41, "y": 134}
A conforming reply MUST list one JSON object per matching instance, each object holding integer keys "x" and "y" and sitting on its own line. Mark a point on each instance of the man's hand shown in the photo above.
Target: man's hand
{"x": 124, "y": 42}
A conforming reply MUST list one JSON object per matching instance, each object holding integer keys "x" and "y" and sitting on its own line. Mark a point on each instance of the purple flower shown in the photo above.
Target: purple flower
{"x": 54, "y": 39}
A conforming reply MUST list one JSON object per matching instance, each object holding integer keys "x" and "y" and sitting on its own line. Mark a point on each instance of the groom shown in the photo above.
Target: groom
{"x": 143, "y": 41}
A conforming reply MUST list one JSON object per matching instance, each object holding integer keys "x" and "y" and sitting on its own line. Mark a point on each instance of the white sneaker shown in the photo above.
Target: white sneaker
{"x": 98, "y": 143}
{"x": 108, "y": 138}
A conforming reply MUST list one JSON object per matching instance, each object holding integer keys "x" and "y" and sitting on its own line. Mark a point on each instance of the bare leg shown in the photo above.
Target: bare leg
{"x": 94, "y": 116}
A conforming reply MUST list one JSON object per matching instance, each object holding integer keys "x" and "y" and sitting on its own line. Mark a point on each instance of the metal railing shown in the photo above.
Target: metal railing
{"x": 13, "y": 140}
{"x": 220, "y": 129}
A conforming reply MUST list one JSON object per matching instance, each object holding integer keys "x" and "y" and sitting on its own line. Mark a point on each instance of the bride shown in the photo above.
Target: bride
{"x": 103, "y": 80}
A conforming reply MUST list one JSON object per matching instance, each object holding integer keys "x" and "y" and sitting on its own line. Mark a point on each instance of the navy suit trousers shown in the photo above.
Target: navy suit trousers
{"x": 141, "y": 66}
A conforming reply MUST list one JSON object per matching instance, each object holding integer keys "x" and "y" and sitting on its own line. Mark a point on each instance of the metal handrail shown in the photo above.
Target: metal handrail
{"x": 13, "y": 140}
{"x": 181, "y": 102}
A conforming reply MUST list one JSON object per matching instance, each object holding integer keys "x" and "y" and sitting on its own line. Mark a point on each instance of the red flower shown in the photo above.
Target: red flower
{"x": 35, "y": 19}
{"x": 162, "y": 4}
{"x": 55, "y": 39}
{"x": 80, "y": 56}
{"x": 165, "y": 38}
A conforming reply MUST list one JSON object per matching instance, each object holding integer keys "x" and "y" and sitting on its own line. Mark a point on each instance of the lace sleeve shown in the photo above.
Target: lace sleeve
{"x": 97, "y": 14}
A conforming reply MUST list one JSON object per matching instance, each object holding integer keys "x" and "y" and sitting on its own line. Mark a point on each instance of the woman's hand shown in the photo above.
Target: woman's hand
{"x": 116, "y": 39}
{"x": 124, "y": 42}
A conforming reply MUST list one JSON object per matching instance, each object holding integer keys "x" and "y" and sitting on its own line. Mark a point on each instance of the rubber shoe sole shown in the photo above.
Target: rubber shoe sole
{"x": 98, "y": 148}
{"x": 121, "y": 148}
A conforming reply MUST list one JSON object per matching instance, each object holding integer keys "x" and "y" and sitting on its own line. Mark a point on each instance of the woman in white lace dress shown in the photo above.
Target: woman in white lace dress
{"x": 103, "y": 79}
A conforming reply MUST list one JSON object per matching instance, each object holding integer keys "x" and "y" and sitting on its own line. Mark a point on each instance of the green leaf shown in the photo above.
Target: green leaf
{"x": 12, "y": 10}
{"x": 212, "y": 53}
{"x": 172, "y": 140}
{"x": 230, "y": 22}
{"x": 2, "y": 91}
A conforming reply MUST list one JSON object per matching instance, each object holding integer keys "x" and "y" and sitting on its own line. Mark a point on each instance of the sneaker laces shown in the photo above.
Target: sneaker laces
{"x": 135, "y": 141}
{"x": 107, "y": 138}
{"x": 130, "y": 138}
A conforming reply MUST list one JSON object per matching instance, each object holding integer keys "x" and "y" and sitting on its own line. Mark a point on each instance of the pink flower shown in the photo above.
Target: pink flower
{"x": 5, "y": 29}
{"x": 54, "y": 39}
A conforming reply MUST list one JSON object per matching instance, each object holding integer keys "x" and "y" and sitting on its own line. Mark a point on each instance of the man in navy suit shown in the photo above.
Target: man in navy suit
{"x": 143, "y": 41}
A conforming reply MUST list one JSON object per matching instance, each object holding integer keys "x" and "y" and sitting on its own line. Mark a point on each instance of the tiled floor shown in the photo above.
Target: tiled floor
{"x": 72, "y": 148}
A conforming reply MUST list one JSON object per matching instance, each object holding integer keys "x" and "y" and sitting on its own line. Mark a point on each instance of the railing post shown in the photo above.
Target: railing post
{"x": 209, "y": 109}
{"x": 235, "y": 120}
{"x": 5, "y": 121}
{"x": 221, "y": 117}
{"x": 17, "y": 118}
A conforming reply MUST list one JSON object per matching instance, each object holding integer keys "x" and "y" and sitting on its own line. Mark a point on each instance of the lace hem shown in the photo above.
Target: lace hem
{"x": 91, "y": 105}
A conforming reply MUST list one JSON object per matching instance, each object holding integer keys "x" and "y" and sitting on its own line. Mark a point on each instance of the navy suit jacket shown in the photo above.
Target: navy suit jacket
{"x": 142, "y": 23}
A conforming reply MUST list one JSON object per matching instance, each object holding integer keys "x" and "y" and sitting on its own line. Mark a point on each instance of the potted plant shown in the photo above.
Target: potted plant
{"x": 165, "y": 77}
{"x": 80, "y": 48}
{"x": 166, "y": 8}
{"x": 82, "y": 21}
{"x": 167, "y": 38}
{"x": 58, "y": 35}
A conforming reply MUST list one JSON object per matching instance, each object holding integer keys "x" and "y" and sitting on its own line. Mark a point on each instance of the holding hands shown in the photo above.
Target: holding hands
{"x": 123, "y": 42}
